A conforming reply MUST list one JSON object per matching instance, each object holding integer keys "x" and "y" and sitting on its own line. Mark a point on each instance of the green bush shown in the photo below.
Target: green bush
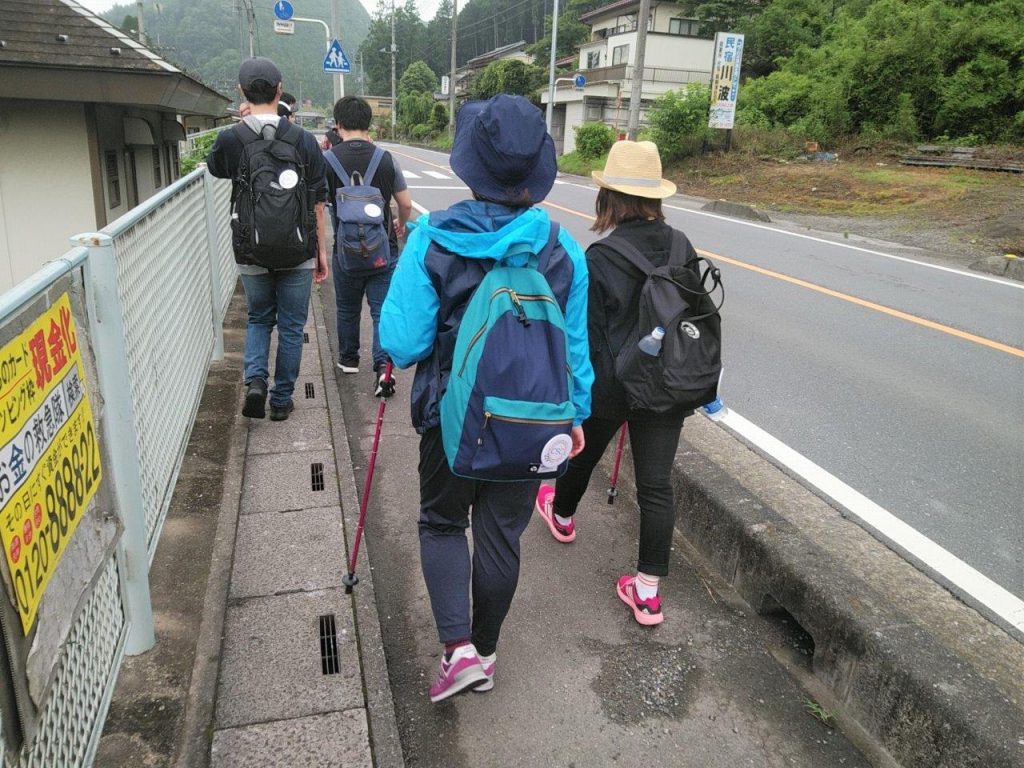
{"x": 677, "y": 122}
{"x": 420, "y": 131}
{"x": 202, "y": 148}
{"x": 578, "y": 165}
{"x": 508, "y": 76}
{"x": 594, "y": 139}
{"x": 439, "y": 117}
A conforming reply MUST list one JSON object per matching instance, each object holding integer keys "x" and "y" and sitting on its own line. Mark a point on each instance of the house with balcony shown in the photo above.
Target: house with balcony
{"x": 677, "y": 52}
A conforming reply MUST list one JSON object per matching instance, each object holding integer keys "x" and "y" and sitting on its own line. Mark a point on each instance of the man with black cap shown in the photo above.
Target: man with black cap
{"x": 275, "y": 295}
{"x": 503, "y": 152}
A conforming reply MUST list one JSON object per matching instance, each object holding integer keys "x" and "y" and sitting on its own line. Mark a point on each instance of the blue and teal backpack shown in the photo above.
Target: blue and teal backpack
{"x": 507, "y": 412}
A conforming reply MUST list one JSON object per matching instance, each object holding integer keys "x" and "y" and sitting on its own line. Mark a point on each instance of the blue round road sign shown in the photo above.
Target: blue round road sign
{"x": 580, "y": 81}
{"x": 283, "y": 10}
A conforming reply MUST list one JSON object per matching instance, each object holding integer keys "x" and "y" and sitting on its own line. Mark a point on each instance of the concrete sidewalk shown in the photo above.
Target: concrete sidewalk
{"x": 775, "y": 618}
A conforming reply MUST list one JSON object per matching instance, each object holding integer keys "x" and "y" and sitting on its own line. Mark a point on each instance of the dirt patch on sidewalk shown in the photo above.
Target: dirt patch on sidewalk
{"x": 953, "y": 214}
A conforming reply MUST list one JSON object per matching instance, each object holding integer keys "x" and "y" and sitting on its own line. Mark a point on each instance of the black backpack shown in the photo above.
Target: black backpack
{"x": 686, "y": 371}
{"x": 272, "y": 222}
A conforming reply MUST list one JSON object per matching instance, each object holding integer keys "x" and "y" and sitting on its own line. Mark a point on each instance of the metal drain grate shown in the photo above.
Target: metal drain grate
{"x": 329, "y": 662}
{"x": 310, "y": 391}
{"x": 305, "y": 338}
{"x": 316, "y": 471}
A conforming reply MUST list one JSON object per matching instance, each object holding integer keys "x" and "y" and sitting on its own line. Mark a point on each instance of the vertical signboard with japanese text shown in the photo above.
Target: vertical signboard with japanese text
{"x": 725, "y": 79}
{"x": 49, "y": 454}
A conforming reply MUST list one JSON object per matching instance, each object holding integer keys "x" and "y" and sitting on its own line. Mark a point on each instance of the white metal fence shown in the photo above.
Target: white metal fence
{"x": 157, "y": 283}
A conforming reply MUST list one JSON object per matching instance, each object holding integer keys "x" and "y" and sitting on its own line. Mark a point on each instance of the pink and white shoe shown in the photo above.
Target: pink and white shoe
{"x": 490, "y": 664}
{"x": 544, "y": 507}
{"x": 646, "y": 612}
{"x": 458, "y": 673}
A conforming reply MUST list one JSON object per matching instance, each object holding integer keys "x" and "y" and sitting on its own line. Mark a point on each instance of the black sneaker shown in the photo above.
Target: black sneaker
{"x": 280, "y": 412}
{"x": 382, "y": 385}
{"x": 256, "y": 399}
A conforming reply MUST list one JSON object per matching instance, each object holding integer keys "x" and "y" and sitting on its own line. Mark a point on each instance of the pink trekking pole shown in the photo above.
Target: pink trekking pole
{"x": 350, "y": 580}
{"x": 613, "y": 490}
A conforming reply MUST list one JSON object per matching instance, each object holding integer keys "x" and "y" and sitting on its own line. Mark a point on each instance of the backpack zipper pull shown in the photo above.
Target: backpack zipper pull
{"x": 487, "y": 418}
{"x": 519, "y": 308}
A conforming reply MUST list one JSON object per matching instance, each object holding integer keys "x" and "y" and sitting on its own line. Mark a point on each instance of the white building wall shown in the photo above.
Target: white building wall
{"x": 45, "y": 185}
{"x": 678, "y": 52}
{"x": 573, "y": 118}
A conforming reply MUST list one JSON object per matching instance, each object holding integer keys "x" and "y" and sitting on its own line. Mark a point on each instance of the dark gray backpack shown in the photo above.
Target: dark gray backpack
{"x": 675, "y": 297}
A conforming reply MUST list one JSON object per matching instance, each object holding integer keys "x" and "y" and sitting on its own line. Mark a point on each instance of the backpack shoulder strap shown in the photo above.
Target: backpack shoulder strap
{"x": 337, "y": 167}
{"x": 244, "y": 133}
{"x": 378, "y": 155}
{"x": 288, "y": 132}
{"x": 544, "y": 257}
{"x": 629, "y": 252}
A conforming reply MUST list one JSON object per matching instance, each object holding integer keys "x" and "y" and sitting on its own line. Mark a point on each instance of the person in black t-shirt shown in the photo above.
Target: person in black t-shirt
{"x": 352, "y": 116}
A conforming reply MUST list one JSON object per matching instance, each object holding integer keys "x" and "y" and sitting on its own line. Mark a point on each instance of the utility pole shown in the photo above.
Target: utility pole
{"x": 394, "y": 50}
{"x": 551, "y": 69}
{"x": 638, "y": 70}
{"x": 339, "y": 88}
{"x": 451, "y": 80}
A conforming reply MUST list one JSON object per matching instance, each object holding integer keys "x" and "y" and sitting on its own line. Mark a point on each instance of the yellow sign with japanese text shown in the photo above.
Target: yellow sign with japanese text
{"x": 50, "y": 458}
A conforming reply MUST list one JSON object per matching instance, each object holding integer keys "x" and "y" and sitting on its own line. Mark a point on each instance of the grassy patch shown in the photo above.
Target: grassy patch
{"x": 819, "y": 713}
{"x": 580, "y": 166}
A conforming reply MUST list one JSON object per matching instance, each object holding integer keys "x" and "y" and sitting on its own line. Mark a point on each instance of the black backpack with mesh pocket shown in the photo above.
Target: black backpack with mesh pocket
{"x": 674, "y": 296}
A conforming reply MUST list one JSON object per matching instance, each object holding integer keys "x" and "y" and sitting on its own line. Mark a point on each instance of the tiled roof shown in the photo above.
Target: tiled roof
{"x": 62, "y": 34}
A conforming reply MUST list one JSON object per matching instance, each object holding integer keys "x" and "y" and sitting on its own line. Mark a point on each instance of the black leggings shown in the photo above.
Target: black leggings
{"x": 653, "y": 443}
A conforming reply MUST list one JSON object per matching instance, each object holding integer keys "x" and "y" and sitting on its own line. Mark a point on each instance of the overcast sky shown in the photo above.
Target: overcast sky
{"x": 427, "y": 8}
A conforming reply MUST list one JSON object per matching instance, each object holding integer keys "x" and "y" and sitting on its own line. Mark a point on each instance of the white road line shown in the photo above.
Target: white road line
{"x": 410, "y": 174}
{"x": 979, "y": 587}
{"x": 883, "y": 254}
{"x": 419, "y": 207}
{"x": 457, "y": 187}
{"x": 437, "y": 175}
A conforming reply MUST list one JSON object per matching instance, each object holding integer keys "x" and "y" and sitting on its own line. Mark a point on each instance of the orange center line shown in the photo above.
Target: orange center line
{"x": 15, "y": 384}
{"x": 844, "y": 297}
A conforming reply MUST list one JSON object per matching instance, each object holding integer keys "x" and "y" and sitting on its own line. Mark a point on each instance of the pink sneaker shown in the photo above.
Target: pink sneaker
{"x": 489, "y": 663}
{"x": 646, "y": 612}
{"x": 463, "y": 670}
{"x": 545, "y": 499}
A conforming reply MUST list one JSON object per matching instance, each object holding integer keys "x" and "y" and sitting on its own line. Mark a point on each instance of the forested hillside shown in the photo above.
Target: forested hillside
{"x": 205, "y": 38}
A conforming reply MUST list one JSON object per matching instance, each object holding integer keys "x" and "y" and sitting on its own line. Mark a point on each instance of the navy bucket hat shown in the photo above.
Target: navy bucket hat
{"x": 502, "y": 150}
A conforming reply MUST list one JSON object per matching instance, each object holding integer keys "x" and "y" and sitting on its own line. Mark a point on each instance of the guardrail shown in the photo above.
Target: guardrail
{"x": 149, "y": 292}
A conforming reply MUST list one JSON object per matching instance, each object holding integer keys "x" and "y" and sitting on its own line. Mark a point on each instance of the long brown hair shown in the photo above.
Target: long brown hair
{"x": 613, "y": 208}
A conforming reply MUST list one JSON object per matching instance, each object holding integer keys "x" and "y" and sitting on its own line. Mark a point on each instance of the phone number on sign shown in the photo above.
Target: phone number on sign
{"x": 44, "y": 532}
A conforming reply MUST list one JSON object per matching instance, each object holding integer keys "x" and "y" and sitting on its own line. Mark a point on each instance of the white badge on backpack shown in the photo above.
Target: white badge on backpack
{"x": 555, "y": 451}
{"x": 288, "y": 179}
{"x": 372, "y": 210}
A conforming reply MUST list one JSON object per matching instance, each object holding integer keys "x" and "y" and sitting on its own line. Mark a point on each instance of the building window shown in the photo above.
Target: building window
{"x": 173, "y": 169}
{"x": 685, "y": 27}
{"x": 593, "y": 59}
{"x": 620, "y": 55}
{"x": 113, "y": 180}
{"x": 158, "y": 176}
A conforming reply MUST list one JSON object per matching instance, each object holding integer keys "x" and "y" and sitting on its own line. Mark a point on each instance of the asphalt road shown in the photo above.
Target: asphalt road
{"x": 901, "y": 377}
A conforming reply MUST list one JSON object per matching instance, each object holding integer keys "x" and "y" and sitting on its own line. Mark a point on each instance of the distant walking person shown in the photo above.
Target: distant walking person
{"x": 278, "y": 232}
{"x": 366, "y": 244}
{"x": 628, "y": 202}
{"x": 503, "y": 152}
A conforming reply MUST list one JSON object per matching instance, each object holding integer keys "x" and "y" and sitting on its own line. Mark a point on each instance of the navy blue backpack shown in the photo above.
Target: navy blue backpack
{"x": 507, "y": 412}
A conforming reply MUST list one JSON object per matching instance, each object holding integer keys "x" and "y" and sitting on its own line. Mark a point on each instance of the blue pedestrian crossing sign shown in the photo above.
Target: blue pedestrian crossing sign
{"x": 336, "y": 62}
{"x": 283, "y": 10}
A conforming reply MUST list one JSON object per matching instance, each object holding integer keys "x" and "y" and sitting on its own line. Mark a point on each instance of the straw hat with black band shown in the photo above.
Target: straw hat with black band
{"x": 634, "y": 168}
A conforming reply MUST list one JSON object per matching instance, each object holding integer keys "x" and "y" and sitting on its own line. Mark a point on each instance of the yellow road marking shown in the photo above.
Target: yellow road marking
{"x": 843, "y": 296}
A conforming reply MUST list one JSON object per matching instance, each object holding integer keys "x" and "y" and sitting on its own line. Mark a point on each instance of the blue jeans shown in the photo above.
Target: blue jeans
{"x": 280, "y": 298}
{"x": 348, "y": 296}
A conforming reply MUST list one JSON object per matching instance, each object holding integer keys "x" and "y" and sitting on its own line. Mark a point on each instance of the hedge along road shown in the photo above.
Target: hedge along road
{"x": 897, "y": 380}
